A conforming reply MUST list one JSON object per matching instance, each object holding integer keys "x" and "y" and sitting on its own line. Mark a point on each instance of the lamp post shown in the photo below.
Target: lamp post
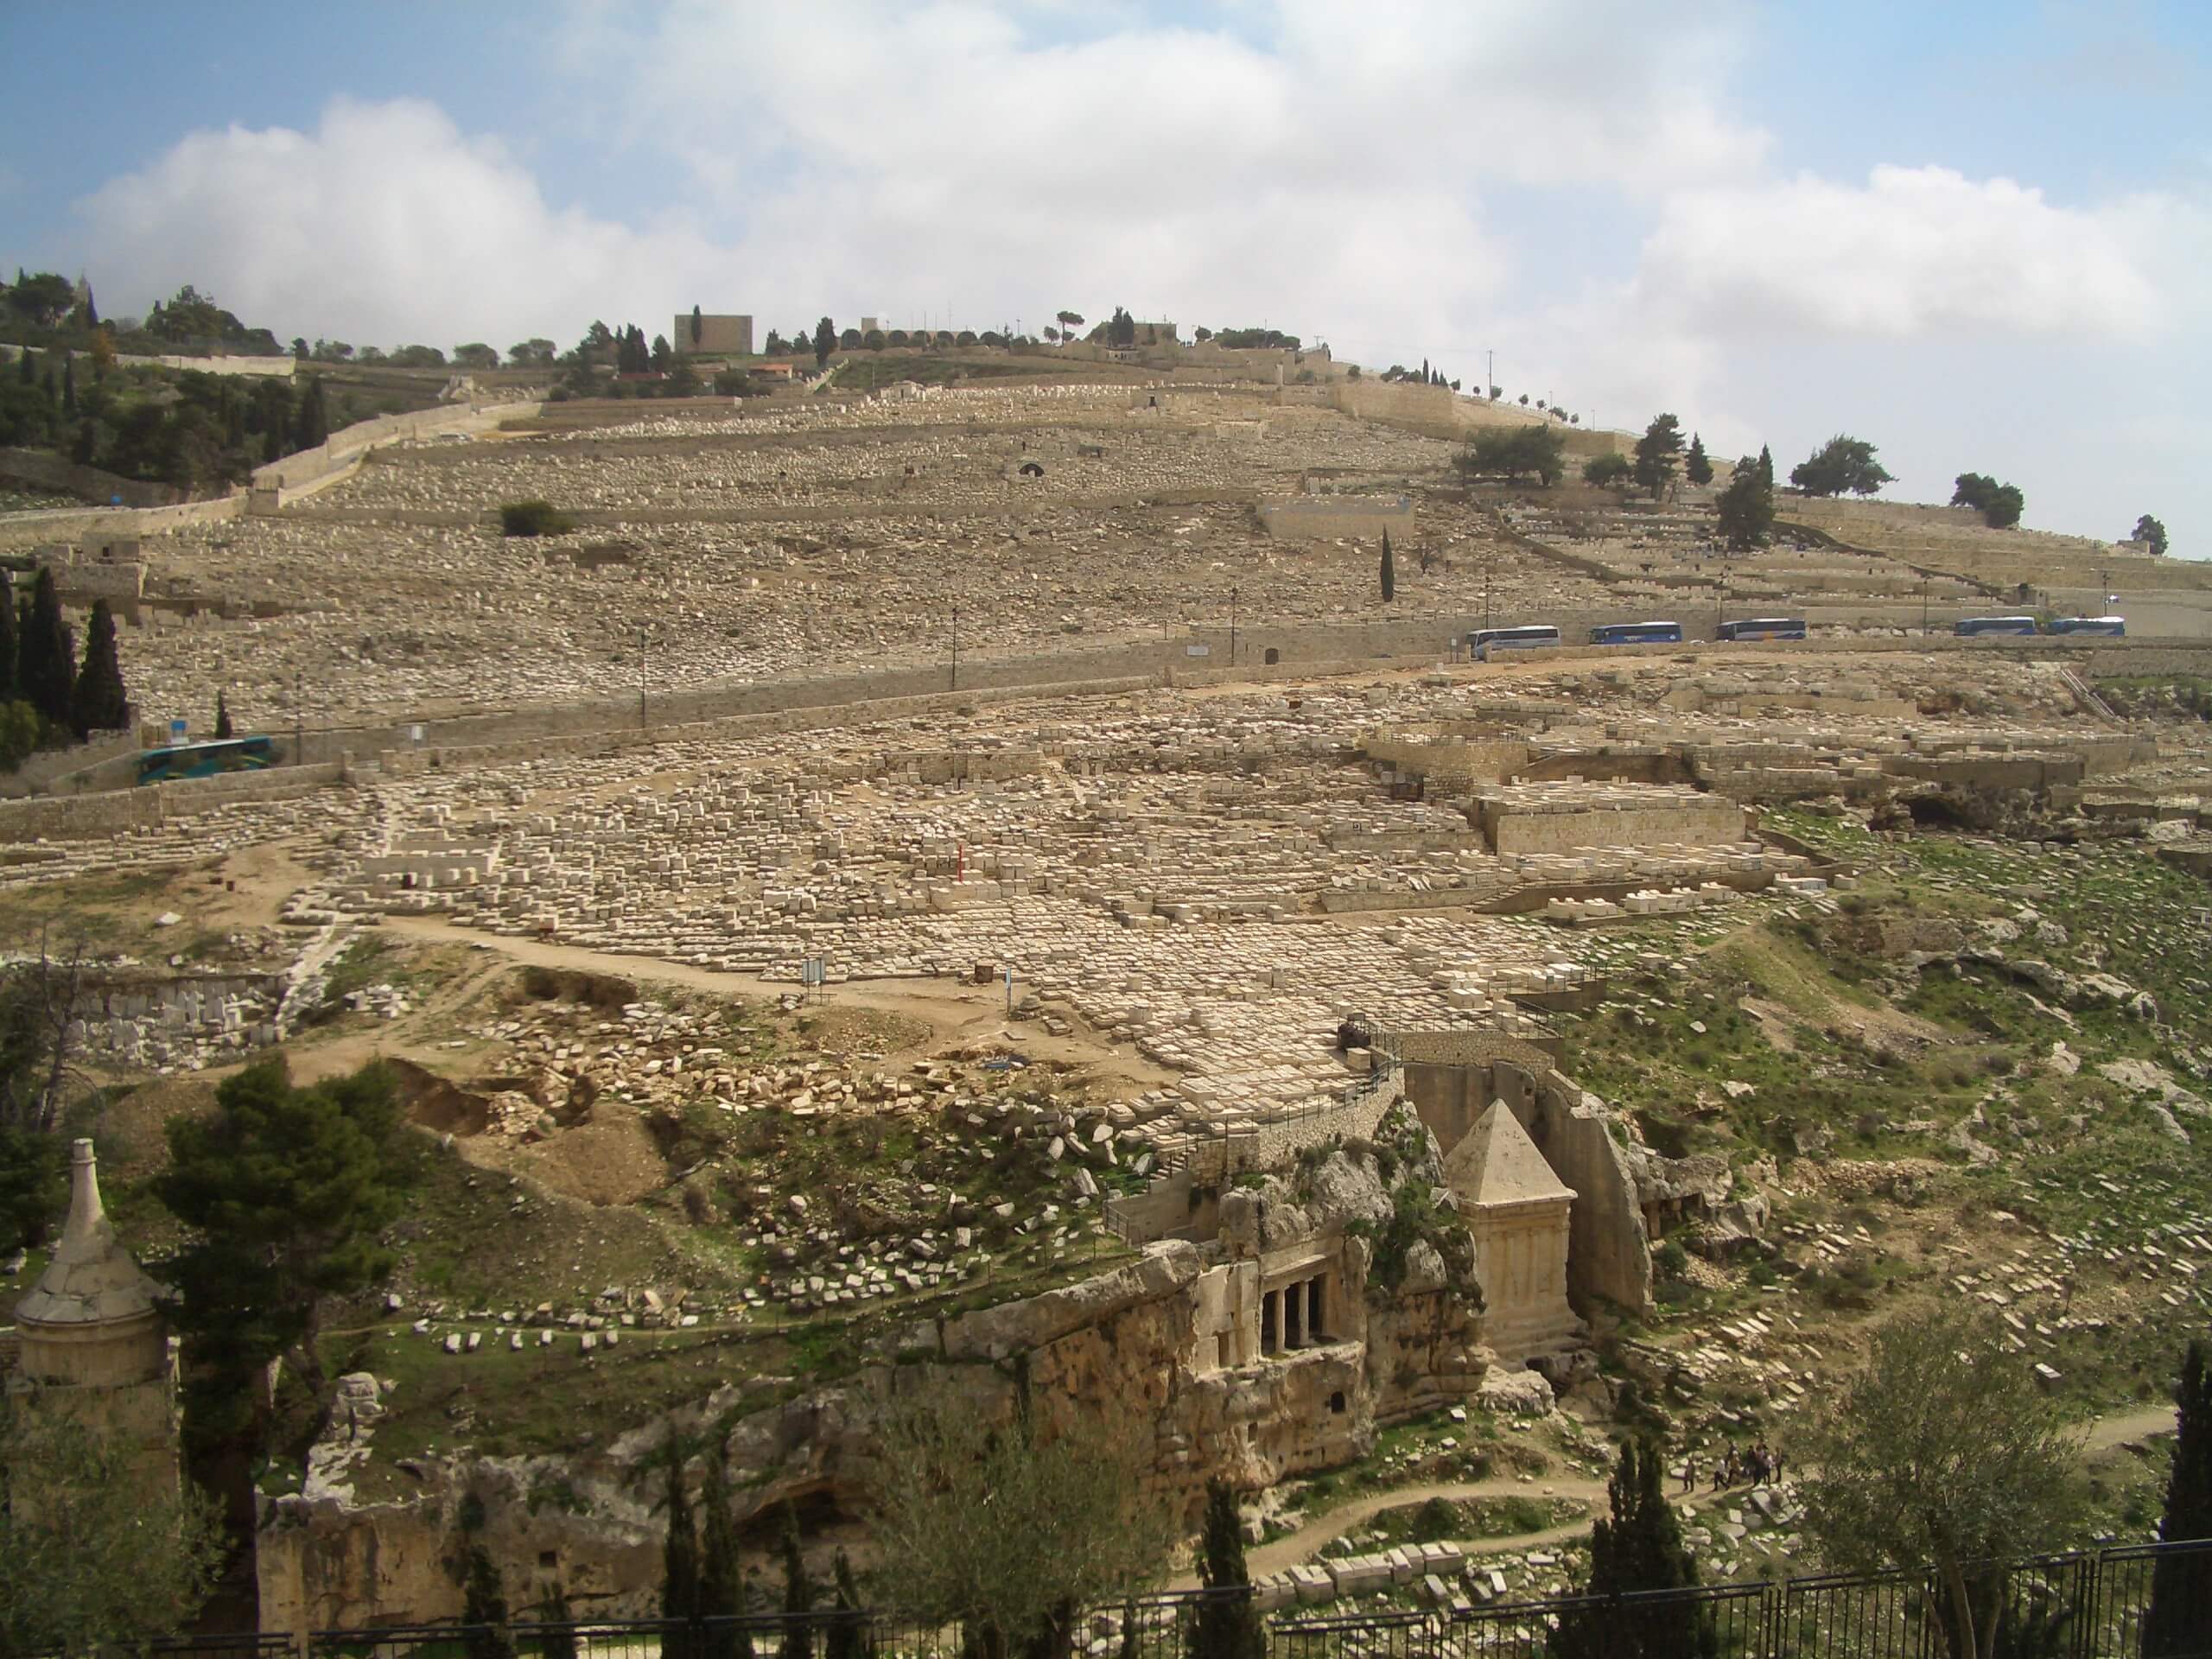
{"x": 956, "y": 645}
{"x": 641, "y": 679}
{"x": 1232, "y": 625}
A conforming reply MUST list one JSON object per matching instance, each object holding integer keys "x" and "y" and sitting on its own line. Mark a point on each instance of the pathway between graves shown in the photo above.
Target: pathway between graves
{"x": 1302, "y": 1545}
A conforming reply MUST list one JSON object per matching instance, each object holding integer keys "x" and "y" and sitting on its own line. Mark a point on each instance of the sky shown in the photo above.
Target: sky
{"x": 1977, "y": 235}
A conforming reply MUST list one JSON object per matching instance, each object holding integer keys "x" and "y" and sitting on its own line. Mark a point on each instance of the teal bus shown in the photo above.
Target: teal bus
{"x": 205, "y": 759}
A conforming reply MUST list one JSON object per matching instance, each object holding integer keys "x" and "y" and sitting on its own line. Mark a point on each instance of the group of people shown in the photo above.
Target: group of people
{"x": 1756, "y": 1465}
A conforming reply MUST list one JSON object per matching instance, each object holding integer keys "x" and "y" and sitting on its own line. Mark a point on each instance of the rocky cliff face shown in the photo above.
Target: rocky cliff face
{"x": 1126, "y": 1343}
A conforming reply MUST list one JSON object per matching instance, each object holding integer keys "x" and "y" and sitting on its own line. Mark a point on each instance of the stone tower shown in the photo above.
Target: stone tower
{"x": 90, "y": 1340}
{"x": 1517, "y": 1209}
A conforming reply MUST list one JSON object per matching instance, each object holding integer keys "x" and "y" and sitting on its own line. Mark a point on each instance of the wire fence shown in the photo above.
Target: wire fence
{"x": 2151, "y": 1601}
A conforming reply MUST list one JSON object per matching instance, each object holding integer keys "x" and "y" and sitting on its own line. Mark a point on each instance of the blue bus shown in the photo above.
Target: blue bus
{"x": 205, "y": 759}
{"x": 1636, "y": 633}
{"x": 2109, "y": 628}
{"x": 1485, "y": 641}
{"x": 1764, "y": 627}
{"x": 1974, "y": 627}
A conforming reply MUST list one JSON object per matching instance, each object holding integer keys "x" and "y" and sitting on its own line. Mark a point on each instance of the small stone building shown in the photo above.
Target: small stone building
{"x": 90, "y": 1338}
{"x": 1518, "y": 1210}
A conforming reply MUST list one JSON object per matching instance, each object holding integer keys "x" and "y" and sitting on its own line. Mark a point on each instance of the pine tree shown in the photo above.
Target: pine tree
{"x": 1639, "y": 1548}
{"x": 1766, "y": 468}
{"x": 1389, "y": 571}
{"x": 45, "y": 655}
{"x": 1745, "y": 513}
{"x": 799, "y": 1593}
{"x": 99, "y": 702}
{"x": 1228, "y": 1624}
{"x": 679, "y": 1585}
{"x": 222, "y": 731}
{"x": 2181, "y": 1584}
{"x": 1697, "y": 466}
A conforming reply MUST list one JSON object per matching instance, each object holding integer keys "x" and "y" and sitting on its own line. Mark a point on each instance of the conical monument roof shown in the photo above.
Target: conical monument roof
{"x": 92, "y": 1280}
{"x": 1495, "y": 1162}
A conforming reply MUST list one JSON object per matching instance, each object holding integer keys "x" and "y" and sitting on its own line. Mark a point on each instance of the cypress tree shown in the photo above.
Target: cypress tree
{"x": 721, "y": 1586}
{"x": 311, "y": 424}
{"x": 25, "y": 368}
{"x": 222, "y": 716}
{"x": 1228, "y": 1624}
{"x": 9, "y": 679}
{"x": 46, "y": 657}
{"x": 1766, "y": 468}
{"x": 1389, "y": 571}
{"x": 559, "y": 1642}
{"x": 1639, "y": 1548}
{"x": 99, "y": 703}
{"x": 69, "y": 387}
{"x": 799, "y": 1593}
{"x": 2181, "y": 1584}
{"x": 1697, "y": 466}
{"x": 847, "y": 1634}
{"x": 484, "y": 1606}
{"x": 679, "y": 1589}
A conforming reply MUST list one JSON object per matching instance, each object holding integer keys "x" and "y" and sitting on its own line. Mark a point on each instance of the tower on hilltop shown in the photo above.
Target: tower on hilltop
{"x": 91, "y": 1341}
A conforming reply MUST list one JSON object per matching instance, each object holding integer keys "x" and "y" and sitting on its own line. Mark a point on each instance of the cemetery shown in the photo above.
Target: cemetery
{"x": 977, "y": 883}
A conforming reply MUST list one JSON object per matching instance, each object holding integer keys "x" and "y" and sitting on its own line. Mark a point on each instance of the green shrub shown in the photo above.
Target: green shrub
{"x": 534, "y": 519}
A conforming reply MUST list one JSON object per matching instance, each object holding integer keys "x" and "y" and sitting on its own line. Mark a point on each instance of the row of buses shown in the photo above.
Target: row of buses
{"x": 2100, "y": 627}
{"x": 1484, "y": 644}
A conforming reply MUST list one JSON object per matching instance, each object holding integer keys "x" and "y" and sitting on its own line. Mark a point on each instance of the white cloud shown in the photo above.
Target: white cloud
{"x": 1383, "y": 175}
{"x": 1915, "y": 249}
{"x": 384, "y": 224}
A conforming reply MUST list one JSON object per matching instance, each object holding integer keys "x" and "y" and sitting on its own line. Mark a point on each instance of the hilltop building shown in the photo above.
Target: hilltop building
{"x": 720, "y": 334}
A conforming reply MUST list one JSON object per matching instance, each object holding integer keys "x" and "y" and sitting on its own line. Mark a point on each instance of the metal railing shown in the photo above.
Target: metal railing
{"x": 2094, "y": 1604}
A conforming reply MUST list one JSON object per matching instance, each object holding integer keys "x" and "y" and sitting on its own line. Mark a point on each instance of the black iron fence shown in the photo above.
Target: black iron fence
{"x": 2094, "y": 1604}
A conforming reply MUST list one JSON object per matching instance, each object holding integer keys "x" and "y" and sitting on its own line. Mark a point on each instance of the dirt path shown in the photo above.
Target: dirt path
{"x": 1301, "y": 1545}
{"x": 2104, "y": 1434}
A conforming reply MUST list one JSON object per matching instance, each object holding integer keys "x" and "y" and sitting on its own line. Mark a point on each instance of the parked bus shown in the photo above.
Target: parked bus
{"x": 204, "y": 759}
{"x": 1974, "y": 627}
{"x": 1764, "y": 627}
{"x": 2110, "y": 628}
{"x": 1636, "y": 633}
{"x": 1483, "y": 641}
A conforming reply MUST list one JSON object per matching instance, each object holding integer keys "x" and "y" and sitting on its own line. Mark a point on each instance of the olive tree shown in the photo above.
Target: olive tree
{"x": 94, "y": 1554}
{"x": 1941, "y": 1453}
{"x": 1010, "y": 1527}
